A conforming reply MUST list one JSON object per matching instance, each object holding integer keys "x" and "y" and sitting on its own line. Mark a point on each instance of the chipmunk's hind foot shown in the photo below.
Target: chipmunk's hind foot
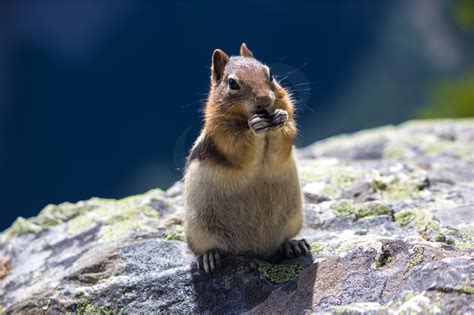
{"x": 210, "y": 261}
{"x": 294, "y": 248}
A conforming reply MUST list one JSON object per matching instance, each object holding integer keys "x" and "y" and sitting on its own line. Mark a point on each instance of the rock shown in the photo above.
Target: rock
{"x": 5, "y": 266}
{"x": 388, "y": 213}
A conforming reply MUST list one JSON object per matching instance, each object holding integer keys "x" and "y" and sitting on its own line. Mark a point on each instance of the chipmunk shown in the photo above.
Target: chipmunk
{"x": 241, "y": 187}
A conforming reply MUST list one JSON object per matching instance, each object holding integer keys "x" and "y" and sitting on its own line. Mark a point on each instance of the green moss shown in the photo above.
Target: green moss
{"x": 407, "y": 142}
{"x": 2, "y": 308}
{"x": 370, "y": 209}
{"x": 279, "y": 274}
{"x": 335, "y": 175}
{"x": 50, "y": 216}
{"x": 383, "y": 259}
{"x": 80, "y": 224}
{"x": 404, "y": 296}
{"x": 468, "y": 246}
{"x": 441, "y": 146}
{"x": 399, "y": 145}
{"x": 423, "y": 219}
{"x": 316, "y": 246}
{"x": 444, "y": 290}
{"x": 46, "y": 304}
{"x": 344, "y": 246}
{"x": 404, "y": 217}
{"x": 466, "y": 289}
{"x": 83, "y": 215}
{"x": 417, "y": 303}
{"x": 86, "y": 308}
{"x": 441, "y": 238}
{"x": 117, "y": 218}
{"x": 377, "y": 264}
{"x": 399, "y": 188}
{"x": 417, "y": 257}
{"x": 154, "y": 193}
{"x": 354, "y": 309}
{"x": 331, "y": 191}
{"x": 21, "y": 226}
{"x": 344, "y": 177}
{"x": 53, "y": 215}
{"x": 395, "y": 150}
{"x": 463, "y": 289}
{"x": 347, "y": 207}
{"x": 120, "y": 230}
{"x": 388, "y": 260}
{"x": 343, "y": 207}
{"x": 175, "y": 233}
{"x": 331, "y": 172}
{"x": 467, "y": 232}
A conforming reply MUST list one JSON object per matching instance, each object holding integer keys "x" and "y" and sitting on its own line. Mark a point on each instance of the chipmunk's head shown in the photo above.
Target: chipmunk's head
{"x": 242, "y": 85}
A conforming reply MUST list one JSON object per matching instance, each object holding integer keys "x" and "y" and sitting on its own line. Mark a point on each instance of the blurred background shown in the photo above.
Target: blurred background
{"x": 103, "y": 98}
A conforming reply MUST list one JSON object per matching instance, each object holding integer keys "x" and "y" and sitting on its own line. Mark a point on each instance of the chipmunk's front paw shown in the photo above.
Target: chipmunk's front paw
{"x": 260, "y": 123}
{"x": 210, "y": 261}
{"x": 279, "y": 117}
{"x": 265, "y": 122}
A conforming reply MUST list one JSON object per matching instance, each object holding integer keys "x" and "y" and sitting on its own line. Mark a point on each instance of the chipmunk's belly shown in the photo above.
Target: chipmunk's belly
{"x": 249, "y": 216}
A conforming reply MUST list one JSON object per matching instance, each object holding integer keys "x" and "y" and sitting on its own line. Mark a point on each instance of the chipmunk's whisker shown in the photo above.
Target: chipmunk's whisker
{"x": 195, "y": 102}
{"x": 286, "y": 75}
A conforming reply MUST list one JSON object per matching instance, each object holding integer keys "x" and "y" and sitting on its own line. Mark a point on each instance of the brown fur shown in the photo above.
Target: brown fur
{"x": 242, "y": 193}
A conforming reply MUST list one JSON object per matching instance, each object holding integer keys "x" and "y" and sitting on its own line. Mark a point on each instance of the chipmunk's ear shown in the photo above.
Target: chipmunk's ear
{"x": 219, "y": 60}
{"x": 245, "y": 51}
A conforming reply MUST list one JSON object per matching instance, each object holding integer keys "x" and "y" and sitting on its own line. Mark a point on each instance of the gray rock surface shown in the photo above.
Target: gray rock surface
{"x": 389, "y": 215}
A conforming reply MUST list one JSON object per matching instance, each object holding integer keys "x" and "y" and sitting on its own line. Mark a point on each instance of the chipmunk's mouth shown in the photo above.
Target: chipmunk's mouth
{"x": 261, "y": 112}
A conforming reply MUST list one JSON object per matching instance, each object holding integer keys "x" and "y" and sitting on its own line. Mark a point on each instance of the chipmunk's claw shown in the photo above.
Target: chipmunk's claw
{"x": 279, "y": 117}
{"x": 294, "y": 248}
{"x": 210, "y": 261}
{"x": 262, "y": 122}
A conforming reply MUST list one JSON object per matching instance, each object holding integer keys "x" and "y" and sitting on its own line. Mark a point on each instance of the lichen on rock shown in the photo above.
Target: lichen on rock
{"x": 279, "y": 274}
{"x": 388, "y": 214}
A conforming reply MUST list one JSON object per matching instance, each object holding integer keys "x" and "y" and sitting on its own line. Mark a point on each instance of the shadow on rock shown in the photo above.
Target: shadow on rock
{"x": 245, "y": 283}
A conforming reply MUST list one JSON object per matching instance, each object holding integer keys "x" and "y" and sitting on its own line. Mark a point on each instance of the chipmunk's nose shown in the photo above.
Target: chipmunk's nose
{"x": 265, "y": 101}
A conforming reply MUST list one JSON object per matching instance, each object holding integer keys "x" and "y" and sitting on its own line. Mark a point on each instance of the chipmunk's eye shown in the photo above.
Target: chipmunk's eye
{"x": 233, "y": 85}
{"x": 270, "y": 74}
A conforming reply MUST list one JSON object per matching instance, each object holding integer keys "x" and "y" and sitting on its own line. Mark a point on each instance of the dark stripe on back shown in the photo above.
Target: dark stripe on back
{"x": 207, "y": 150}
